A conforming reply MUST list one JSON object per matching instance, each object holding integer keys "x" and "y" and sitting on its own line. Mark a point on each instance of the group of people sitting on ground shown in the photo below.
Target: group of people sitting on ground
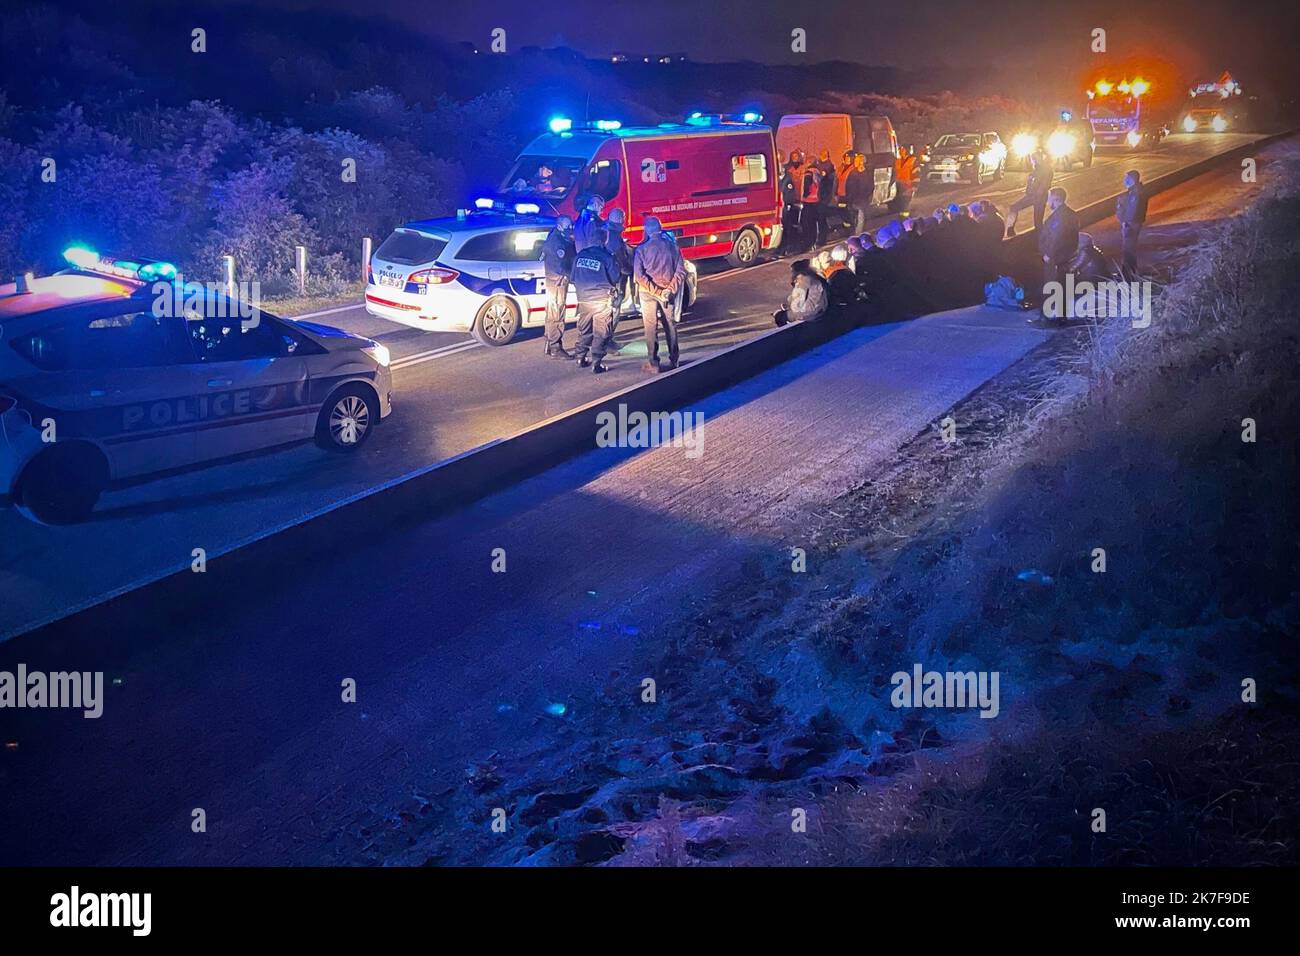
{"x": 907, "y": 266}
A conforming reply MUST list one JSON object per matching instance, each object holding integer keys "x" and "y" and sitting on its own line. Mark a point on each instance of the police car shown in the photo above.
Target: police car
{"x": 478, "y": 272}
{"x": 116, "y": 369}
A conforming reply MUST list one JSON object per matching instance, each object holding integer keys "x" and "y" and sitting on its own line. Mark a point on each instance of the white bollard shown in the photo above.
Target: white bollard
{"x": 228, "y": 275}
{"x": 365, "y": 260}
{"x": 300, "y": 260}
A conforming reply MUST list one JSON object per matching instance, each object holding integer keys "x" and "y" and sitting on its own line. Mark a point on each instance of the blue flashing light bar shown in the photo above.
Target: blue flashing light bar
{"x": 483, "y": 202}
{"x": 87, "y": 259}
{"x": 561, "y": 124}
{"x": 527, "y": 208}
{"x": 608, "y": 125}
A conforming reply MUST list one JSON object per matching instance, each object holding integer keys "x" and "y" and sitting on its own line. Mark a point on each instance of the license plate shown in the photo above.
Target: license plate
{"x": 393, "y": 282}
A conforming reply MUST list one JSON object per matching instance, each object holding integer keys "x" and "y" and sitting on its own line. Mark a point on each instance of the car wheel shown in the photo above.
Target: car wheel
{"x": 497, "y": 321}
{"x": 347, "y": 418}
{"x": 63, "y": 484}
{"x": 744, "y": 251}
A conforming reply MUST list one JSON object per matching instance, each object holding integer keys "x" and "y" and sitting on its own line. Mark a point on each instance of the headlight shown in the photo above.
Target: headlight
{"x": 1022, "y": 144}
{"x": 1189, "y": 124}
{"x": 1133, "y": 137}
{"x": 1218, "y": 124}
{"x": 379, "y": 353}
{"x": 1060, "y": 144}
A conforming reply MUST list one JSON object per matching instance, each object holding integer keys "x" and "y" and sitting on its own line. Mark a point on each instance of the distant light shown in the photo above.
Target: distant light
{"x": 1134, "y": 137}
{"x": 1124, "y": 86}
{"x": 1189, "y": 124}
{"x": 1218, "y": 124}
{"x": 753, "y": 117}
{"x": 527, "y": 208}
{"x": 1061, "y": 144}
{"x": 557, "y": 710}
{"x": 1104, "y": 88}
{"x": 561, "y": 124}
{"x": 1066, "y": 116}
{"x": 1022, "y": 144}
{"x": 483, "y": 203}
{"x": 608, "y": 125}
{"x": 1140, "y": 86}
{"x": 696, "y": 115}
{"x": 81, "y": 256}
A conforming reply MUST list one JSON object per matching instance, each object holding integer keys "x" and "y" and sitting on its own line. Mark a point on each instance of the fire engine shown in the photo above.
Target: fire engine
{"x": 1125, "y": 113}
{"x": 1216, "y": 106}
{"x": 711, "y": 180}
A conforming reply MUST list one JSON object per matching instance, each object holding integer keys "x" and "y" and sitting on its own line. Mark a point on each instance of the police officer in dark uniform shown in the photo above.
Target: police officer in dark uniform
{"x": 791, "y": 191}
{"x": 1131, "y": 211}
{"x": 1036, "y": 188}
{"x": 660, "y": 273}
{"x": 622, "y": 254}
{"x": 595, "y": 281}
{"x": 557, "y": 264}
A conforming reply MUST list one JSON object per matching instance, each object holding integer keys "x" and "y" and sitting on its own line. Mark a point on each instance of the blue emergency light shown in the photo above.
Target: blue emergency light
{"x": 527, "y": 208}
{"x": 148, "y": 270}
{"x": 608, "y": 125}
{"x": 753, "y": 117}
{"x": 483, "y": 202}
{"x": 561, "y": 124}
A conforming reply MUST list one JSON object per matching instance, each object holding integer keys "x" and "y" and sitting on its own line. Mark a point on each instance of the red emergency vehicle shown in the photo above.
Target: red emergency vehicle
{"x": 711, "y": 180}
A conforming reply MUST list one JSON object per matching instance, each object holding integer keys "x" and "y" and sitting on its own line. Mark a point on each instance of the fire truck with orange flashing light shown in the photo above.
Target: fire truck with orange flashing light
{"x": 1126, "y": 113}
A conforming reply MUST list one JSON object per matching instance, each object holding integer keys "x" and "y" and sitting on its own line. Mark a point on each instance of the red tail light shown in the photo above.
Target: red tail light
{"x": 434, "y": 276}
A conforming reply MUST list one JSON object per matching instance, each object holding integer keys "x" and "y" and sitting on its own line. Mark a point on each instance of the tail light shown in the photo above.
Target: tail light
{"x": 434, "y": 276}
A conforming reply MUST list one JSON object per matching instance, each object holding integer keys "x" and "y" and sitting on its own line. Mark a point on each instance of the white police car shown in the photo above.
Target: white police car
{"x": 477, "y": 272}
{"x": 116, "y": 369}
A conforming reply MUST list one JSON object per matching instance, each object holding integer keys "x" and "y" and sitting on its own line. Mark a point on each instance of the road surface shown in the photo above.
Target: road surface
{"x": 451, "y": 394}
{"x": 235, "y": 709}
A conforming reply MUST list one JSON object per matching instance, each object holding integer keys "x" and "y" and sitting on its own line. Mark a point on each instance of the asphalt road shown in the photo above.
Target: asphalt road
{"x": 451, "y": 395}
{"x": 235, "y": 709}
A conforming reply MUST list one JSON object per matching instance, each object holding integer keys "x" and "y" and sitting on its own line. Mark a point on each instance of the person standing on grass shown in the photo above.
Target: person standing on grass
{"x": 1131, "y": 211}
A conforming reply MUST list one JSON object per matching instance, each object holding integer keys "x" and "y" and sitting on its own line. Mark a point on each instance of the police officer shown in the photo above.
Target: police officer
{"x": 1131, "y": 211}
{"x": 791, "y": 190}
{"x": 1058, "y": 241}
{"x": 557, "y": 264}
{"x": 622, "y": 254}
{"x": 660, "y": 274}
{"x": 1036, "y": 189}
{"x": 595, "y": 281}
{"x": 588, "y": 220}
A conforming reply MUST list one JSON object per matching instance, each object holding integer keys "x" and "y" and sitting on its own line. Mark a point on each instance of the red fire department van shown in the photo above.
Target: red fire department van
{"x": 711, "y": 180}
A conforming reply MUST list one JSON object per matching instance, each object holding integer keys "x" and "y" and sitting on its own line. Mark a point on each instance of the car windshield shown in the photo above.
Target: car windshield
{"x": 550, "y": 176}
{"x": 959, "y": 140}
{"x": 1111, "y": 109}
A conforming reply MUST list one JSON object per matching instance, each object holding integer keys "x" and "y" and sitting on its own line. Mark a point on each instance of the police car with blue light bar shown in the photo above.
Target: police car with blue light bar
{"x": 117, "y": 368}
{"x": 478, "y": 271}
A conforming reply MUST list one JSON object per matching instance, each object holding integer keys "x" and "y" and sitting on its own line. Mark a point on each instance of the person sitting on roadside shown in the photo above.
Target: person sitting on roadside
{"x": 1089, "y": 263}
{"x": 840, "y": 278}
{"x": 808, "y": 298}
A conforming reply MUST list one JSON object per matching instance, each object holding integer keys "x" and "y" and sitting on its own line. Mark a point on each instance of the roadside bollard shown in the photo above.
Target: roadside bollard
{"x": 300, "y": 260}
{"x": 228, "y": 275}
{"x": 365, "y": 260}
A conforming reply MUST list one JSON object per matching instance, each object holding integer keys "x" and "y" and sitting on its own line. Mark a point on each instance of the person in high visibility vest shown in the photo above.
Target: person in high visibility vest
{"x": 907, "y": 174}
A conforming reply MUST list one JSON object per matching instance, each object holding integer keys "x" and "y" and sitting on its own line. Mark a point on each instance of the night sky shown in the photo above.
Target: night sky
{"x": 1201, "y": 35}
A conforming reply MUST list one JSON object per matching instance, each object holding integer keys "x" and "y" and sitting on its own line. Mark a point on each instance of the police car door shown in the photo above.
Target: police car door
{"x": 250, "y": 376}
{"x": 115, "y": 376}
